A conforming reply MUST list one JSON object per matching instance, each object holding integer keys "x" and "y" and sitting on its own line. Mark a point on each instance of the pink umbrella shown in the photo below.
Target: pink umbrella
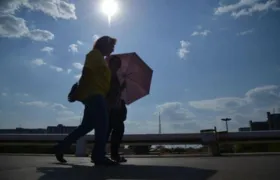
{"x": 137, "y": 74}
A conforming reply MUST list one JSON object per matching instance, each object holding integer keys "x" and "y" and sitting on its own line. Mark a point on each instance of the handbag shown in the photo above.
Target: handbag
{"x": 72, "y": 91}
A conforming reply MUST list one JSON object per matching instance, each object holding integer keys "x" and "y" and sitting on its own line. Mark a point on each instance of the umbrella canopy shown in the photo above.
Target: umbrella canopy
{"x": 137, "y": 74}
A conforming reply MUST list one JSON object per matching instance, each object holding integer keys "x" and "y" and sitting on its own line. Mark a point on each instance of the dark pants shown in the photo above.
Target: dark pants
{"x": 116, "y": 130}
{"x": 95, "y": 117}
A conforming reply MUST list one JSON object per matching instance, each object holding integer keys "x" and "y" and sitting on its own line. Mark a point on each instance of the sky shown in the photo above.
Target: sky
{"x": 210, "y": 60}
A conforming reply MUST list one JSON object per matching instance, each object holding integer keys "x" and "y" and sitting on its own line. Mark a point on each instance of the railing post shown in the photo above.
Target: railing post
{"x": 81, "y": 145}
{"x": 209, "y": 138}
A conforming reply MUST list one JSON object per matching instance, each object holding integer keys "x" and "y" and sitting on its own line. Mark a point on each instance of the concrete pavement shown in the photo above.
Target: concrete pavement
{"x": 188, "y": 168}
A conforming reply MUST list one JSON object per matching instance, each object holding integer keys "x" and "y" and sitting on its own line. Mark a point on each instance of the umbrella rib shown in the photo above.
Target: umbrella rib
{"x": 128, "y": 74}
{"x": 131, "y": 79}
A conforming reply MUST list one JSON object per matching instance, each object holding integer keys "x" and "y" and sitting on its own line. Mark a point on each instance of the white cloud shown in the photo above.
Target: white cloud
{"x": 22, "y": 94}
{"x": 40, "y": 104}
{"x": 258, "y": 7}
{"x": 208, "y": 113}
{"x": 80, "y": 42}
{"x": 58, "y": 107}
{"x": 38, "y": 62}
{"x": 247, "y": 7}
{"x": 4, "y": 94}
{"x": 78, "y": 66}
{"x": 175, "y": 117}
{"x": 245, "y": 32}
{"x": 10, "y": 6}
{"x": 184, "y": 49}
{"x": 66, "y": 113}
{"x": 77, "y": 76}
{"x": 218, "y": 104}
{"x": 58, "y": 69}
{"x": 14, "y": 27}
{"x": 232, "y": 7}
{"x": 47, "y": 49}
{"x": 68, "y": 117}
{"x": 54, "y": 8}
{"x": 69, "y": 71}
{"x": 201, "y": 33}
{"x": 41, "y": 62}
{"x": 62, "y": 113}
{"x": 175, "y": 111}
{"x": 263, "y": 97}
{"x": 73, "y": 48}
{"x": 40, "y": 35}
{"x": 95, "y": 37}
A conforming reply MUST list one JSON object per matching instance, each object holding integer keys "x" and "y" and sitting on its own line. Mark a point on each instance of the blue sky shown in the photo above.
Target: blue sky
{"x": 210, "y": 59}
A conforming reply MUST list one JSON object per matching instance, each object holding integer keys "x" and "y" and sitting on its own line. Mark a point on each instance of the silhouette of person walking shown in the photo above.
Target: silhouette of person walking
{"x": 117, "y": 110}
{"x": 92, "y": 90}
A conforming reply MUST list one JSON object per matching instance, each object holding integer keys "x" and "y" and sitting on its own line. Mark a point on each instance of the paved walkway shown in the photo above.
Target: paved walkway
{"x": 189, "y": 168}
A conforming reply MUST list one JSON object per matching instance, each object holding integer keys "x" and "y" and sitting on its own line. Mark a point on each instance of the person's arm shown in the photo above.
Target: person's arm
{"x": 85, "y": 77}
{"x": 71, "y": 94}
{"x": 88, "y": 71}
{"x": 113, "y": 92}
{"x": 124, "y": 110}
{"x": 123, "y": 86}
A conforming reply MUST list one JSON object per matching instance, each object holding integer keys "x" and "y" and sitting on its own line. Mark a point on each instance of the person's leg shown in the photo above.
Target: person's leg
{"x": 101, "y": 124}
{"x": 109, "y": 130}
{"x": 116, "y": 139}
{"x": 85, "y": 127}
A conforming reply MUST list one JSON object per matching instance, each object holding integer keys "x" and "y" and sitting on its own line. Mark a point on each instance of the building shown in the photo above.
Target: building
{"x": 23, "y": 131}
{"x": 60, "y": 129}
{"x": 244, "y": 129}
{"x": 273, "y": 121}
{"x": 259, "y": 125}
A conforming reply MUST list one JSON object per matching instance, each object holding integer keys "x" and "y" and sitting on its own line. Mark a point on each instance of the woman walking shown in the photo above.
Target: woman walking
{"x": 92, "y": 90}
{"x": 117, "y": 110}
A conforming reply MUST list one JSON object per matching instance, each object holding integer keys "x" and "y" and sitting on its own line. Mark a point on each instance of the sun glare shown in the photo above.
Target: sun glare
{"x": 110, "y": 8}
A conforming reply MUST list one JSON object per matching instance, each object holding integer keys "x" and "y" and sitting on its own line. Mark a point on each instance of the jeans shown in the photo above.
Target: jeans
{"x": 95, "y": 117}
{"x": 116, "y": 130}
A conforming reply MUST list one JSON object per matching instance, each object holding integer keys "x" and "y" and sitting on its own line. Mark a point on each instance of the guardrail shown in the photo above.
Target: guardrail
{"x": 212, "y": 139}
{"x": 250, "y": 136}
{"x": 127, "y": 139}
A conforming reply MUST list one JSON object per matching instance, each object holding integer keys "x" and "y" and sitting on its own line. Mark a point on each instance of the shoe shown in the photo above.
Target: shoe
{"x": 105, "y": 162}
{"x": 119, "y": 159}
{"x": 59, "y": 155}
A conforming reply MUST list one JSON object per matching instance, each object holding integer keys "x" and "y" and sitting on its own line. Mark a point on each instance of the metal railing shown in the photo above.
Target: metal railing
{"x": 210, "y": 139}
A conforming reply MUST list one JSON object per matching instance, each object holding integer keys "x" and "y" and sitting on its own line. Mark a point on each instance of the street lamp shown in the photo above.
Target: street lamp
{"x": 226, "y": 120}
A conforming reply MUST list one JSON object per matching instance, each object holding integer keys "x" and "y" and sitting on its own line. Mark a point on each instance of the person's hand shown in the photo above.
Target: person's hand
{"x": 71, "y": 99}
{"x": 72, "y": 93}
{"x": 123, "y": 85}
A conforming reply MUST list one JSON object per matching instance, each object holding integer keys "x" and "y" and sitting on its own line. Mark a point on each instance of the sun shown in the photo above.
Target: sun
{"x": 110, "y": 8}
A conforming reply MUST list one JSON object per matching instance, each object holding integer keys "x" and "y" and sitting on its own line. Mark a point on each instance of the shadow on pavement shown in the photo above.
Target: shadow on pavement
{"x": 127, "y": 172}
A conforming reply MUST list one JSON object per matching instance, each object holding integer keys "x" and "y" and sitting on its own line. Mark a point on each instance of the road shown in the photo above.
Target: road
{"x": 165, "y": 168}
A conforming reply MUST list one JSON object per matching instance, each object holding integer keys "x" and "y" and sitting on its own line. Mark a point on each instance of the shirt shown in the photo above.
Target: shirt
{"x": 114, "y": 94}
{"x": 100, "y": 76}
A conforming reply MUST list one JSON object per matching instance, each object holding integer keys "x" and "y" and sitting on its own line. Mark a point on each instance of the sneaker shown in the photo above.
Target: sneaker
{"x": 105, "y": 162}
{"x": 59, "y": 155}
{"x": 119, "y": 159}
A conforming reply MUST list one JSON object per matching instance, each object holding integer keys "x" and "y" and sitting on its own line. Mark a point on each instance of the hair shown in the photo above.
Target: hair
{"x": 104, "y": 41}
{"x": 114, "y": 58}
